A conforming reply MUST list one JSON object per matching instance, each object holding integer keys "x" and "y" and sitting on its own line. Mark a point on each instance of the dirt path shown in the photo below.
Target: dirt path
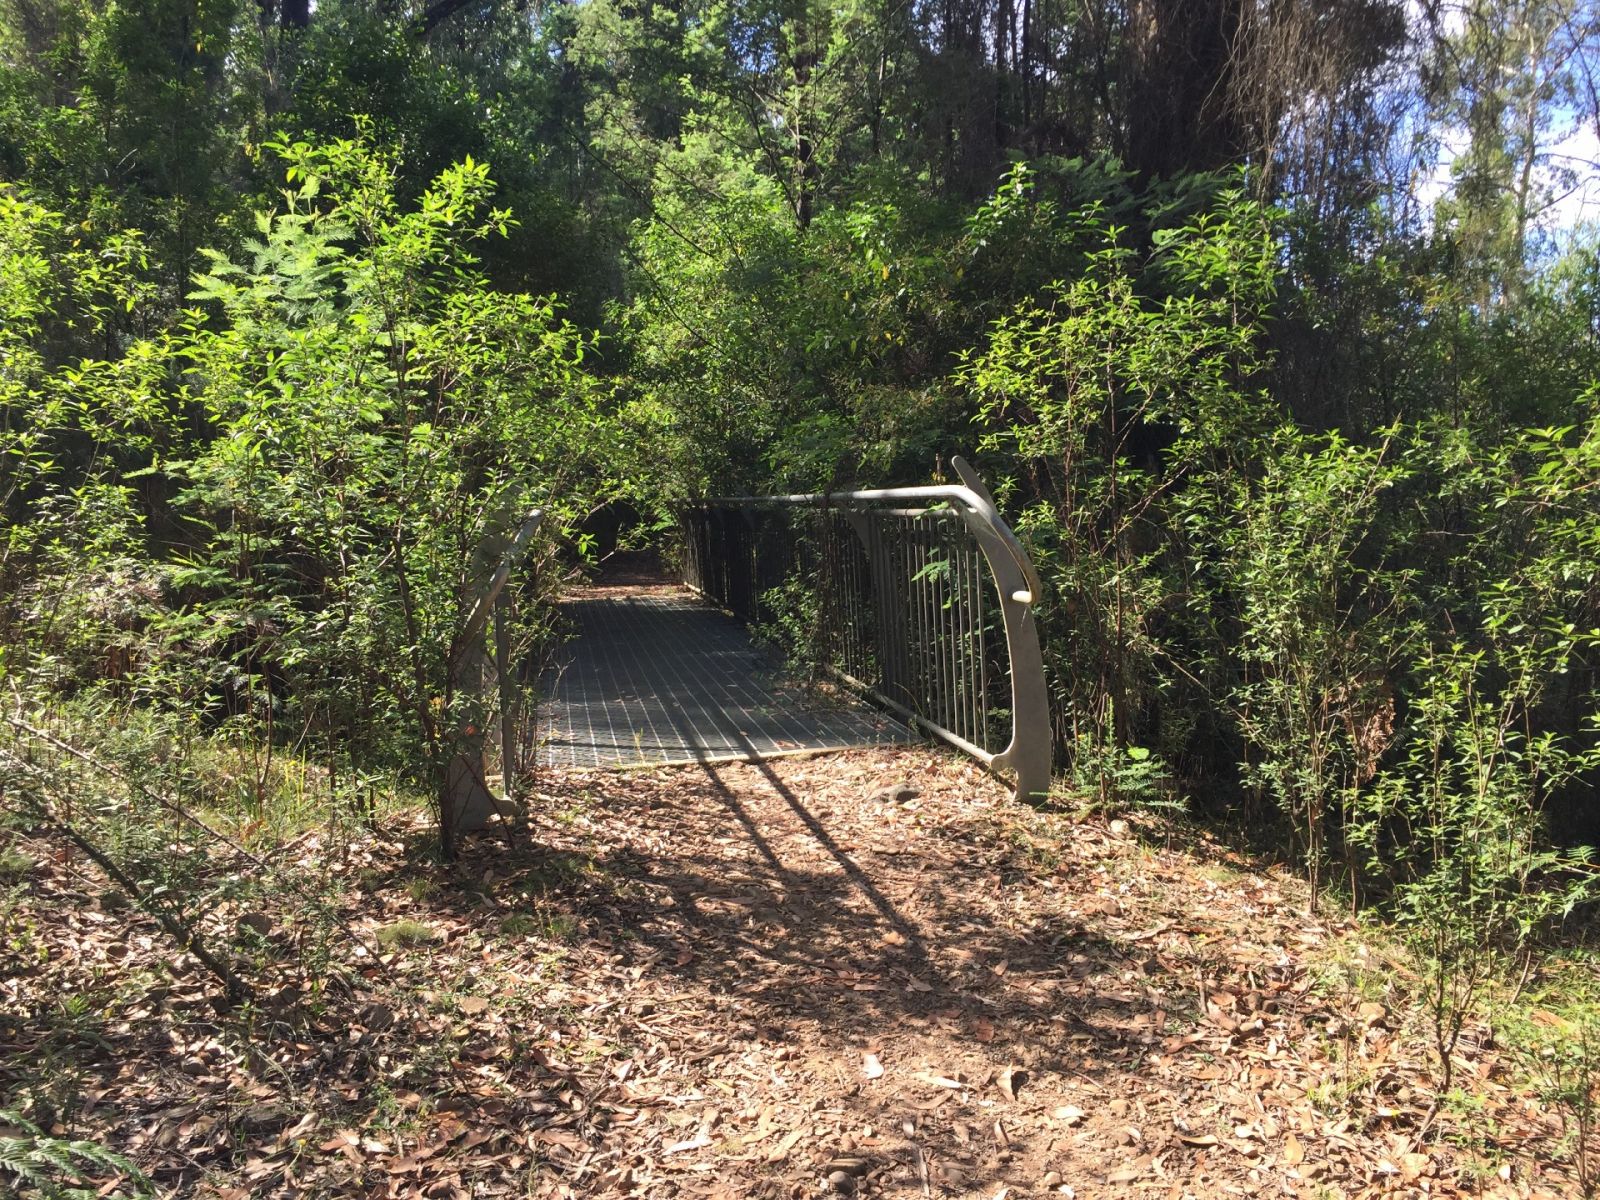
{"x": 782, "y": 980}
{"x": 943, "y": 995}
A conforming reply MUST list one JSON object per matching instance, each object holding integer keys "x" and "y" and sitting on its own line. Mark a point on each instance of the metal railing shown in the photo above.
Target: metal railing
{"x": 914, "y": 595}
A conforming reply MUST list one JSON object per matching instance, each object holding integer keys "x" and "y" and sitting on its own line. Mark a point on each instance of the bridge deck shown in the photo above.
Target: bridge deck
{"x": 656, "y": 676}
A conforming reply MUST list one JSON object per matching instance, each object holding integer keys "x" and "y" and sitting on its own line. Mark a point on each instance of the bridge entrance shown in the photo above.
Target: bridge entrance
{"x": 920, "y": 598}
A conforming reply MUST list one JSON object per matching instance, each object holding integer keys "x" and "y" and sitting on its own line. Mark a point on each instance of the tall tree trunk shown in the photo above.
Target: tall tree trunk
{"x": 1179, "y": 62}
{"x": 1005, "y": 19}
{"x": 805, "y": 59}
{"x": 1026, "y": 63}
{"x": 877, "y": 83}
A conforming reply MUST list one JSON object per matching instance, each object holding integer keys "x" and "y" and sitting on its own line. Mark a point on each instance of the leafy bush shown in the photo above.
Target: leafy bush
{"x": 1114, "y": 392}
{"x": 345, "y": 432}
{"x": 1455, "y": 822}
{"x": 1321, "y": 618}
{"x": 1109, "y": 777}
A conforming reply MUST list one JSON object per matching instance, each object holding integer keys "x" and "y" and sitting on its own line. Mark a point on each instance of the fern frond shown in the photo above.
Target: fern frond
{"x": 54, "y": 1168}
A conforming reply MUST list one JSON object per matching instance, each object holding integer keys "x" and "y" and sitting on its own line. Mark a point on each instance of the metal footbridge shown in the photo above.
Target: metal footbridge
{"x": 915, "y": 603}
{"x": 656, "y": 675}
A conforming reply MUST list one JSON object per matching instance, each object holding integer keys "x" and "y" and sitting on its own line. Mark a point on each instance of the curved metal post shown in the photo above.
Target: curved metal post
{"x": 1029, "y": 754}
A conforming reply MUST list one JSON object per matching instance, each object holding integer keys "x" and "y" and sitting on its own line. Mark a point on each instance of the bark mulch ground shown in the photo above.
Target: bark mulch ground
{"x": 868, "y": 973}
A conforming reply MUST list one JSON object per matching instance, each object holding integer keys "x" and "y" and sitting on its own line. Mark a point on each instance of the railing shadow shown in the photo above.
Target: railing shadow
{"x": 809, "y": 937}
{"x": 791, "y": 919}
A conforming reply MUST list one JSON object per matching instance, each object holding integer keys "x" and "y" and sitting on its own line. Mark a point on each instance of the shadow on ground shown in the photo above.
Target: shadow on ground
{"x": 815, "y": 921}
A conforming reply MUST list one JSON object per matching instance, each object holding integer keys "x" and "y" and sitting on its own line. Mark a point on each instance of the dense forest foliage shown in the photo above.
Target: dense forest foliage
{"x": 1275, "y": 326}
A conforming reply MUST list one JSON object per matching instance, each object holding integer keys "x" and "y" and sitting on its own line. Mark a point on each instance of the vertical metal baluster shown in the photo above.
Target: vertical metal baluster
{"x": 975, "y": 647}
{"x": 930, "y": 614}
{"x": 935, "y": 620}
{"x": 807, "y": 558}
{"x": 802, "y": 554}
{"x": 884, "y": 602}
{"x": 823, "y": 581}
{"x": 847, "y": 573}
{"x": 834, "y": 619}
{"x": 872, "y": 601}
{"x": 847, "y": 564}
{"x": 872, "y": 661}
{"x": 847, "y": 548}
{"x": 858, "y": 624}
{"x": 912, "y": 618}
{"x": 952, "y": 642}
{"x": 959, "y": 602}
{"x": 839, "y": 612}
{"x": 893, "y": 641}
{"x": 920, "y": 558}
{"x": 883, "y": 631}
{"x": 983, "y": 666}
{"x": 749, "y": 535}
{"x": 868, "y": 612}
{"x": 955, "y": 608}
{"x": 904, "y": 573}
{"x": 952, "y": 592}
{"x": 908, "y": 553}
{"x": 729, "y": 566}
{"x": 969, "y": 699}
{"x": 941, "y": 611}
{"x": 847, "y": 599}
{"x": 924, "y": 661}
{"x": 858, "y": 613}
{"x": 907, "y": 573}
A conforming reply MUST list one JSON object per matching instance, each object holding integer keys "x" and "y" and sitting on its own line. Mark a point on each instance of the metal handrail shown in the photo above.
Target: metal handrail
{"x": 1029, "y": 753}
{"x": 978, "y": 504}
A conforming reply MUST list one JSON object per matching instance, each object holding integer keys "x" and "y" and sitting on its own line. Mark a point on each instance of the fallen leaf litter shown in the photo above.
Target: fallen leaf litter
{"x": 863, "y": 974}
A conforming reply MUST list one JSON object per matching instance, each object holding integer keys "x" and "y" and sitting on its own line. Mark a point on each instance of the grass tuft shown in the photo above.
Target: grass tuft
{"x": 405, "y": 933}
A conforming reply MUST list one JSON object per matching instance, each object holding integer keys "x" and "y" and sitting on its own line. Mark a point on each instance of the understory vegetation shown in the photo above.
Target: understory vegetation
{"x": 1274, "y": 328}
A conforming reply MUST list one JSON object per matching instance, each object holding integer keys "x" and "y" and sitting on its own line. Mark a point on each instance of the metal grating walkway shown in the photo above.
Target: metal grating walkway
{"x": 656, "y": 676}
